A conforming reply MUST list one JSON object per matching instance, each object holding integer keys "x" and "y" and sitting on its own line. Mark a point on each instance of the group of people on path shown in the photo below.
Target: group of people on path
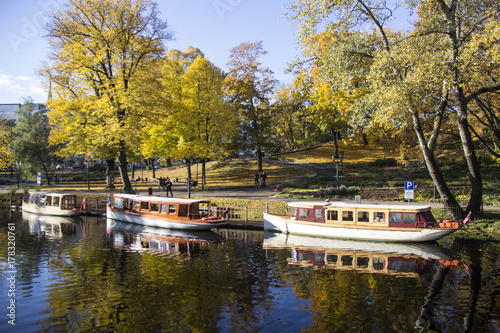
{"x": 262, "y": 177}
{"x": 166, "y": 185}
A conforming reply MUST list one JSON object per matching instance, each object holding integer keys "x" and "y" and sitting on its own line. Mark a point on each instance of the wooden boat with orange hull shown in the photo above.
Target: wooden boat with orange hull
{"x": 171, "y": 213}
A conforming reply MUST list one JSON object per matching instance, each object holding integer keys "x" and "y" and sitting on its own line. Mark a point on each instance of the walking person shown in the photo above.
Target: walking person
{"x": 256, "y": 179}
{"x": 168, "y": 187}
{"x": 263, "y": 177}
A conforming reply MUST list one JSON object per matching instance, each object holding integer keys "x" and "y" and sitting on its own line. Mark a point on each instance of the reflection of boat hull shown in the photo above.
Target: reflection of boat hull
{"x": 398, "y": 259}
{"x": 427, "y": 251}
{"x": 140, "y": 238}
{"x": 54, "y": 226}
{"x": 205, "y": 235}
{"x": 285, "y": 224}
{"x": 158, "y": 222}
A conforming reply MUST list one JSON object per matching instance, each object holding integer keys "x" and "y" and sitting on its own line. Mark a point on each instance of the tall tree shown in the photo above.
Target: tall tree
{"x": 196, "y": 120}
{"x": 415, "y": 79}
{"x": 250, "y": 87}
{"x": 98, "y": 49}
{"x": 30, "y": 145}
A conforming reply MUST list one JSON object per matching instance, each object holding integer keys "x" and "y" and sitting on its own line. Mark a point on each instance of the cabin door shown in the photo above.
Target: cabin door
{"x": 318, "y": 214}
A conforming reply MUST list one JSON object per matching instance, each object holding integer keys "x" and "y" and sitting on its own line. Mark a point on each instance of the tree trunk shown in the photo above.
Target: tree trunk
{"x": 475, "y": 179}
{"x": 122, "y": 163}
{"x": 203, "y": 171}
{"x": 335, "y": 143}
{"x": 259, "y": 155}
{"x": 436, "y": 175}
{"x": 110, "y": 168}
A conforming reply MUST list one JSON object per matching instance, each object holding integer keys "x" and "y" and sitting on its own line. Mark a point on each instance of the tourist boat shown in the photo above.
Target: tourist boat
{"x": 400, "y": 259}
{"x": 171, "y": 213}
{"x": 48, "y": 203}
{"x": 379, "y": 222}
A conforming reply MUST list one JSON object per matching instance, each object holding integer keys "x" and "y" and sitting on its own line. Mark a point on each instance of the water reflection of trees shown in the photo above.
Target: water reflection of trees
{"x": 93, "y": 285}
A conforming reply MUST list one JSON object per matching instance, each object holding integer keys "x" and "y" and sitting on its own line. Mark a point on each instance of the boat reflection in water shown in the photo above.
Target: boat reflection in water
{"x": 139, "y": 238}
{"x": 51, "y": 225}
{"x": 402, "y": 259}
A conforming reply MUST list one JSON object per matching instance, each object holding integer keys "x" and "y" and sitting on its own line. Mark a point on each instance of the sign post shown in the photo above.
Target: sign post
{"x": 39, "y": 179}
{"x": 409, "y": 188}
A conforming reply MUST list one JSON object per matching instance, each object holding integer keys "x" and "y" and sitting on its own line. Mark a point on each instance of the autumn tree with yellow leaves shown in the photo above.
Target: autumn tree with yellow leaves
{"x": 412, "y": 80}
{"x": 99, "y": 46}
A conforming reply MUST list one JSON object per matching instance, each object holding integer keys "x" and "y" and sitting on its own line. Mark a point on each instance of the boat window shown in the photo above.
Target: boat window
{"x": 319, "y": 214}
{"x": 304, "y": 213}
{"x": 294, "y": 212}
{"x": 55, "y": 202}
{"x": 347, "y": 216}
{"x": 332, "y": 258}
{"x": 119, "y": 203}
{"x": 379, "y": 217}
{"x": 144, "y": 205}
{"x": 164, "y": 208}
{"x": 347, "y": 260}
{"x": 333, "y": 215}
{"x": 363, "y": 262}
{"x": 363, "y": 217}
{"x": 394, "y": 264}
{"x": 129, "y": 203}
{"x": 409, "y": 218}
{"x": 68, "y": 202}
{"x": 154, "y": 207}
{"x": 49, "y": 201}
{"x": 172, "y": 209}
{"x": 395, "y": 217}
{"x": 135, "y": 205}
{"x": 378, "y": 264}
{"x": 41, "y": 202}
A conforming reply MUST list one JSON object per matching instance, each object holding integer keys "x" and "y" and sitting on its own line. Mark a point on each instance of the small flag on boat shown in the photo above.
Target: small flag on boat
{"x": 109, "y": 201}
{"x": 467, "y": 218}
{"x": 84, "y": 204}
{"x": 267, "y": 206}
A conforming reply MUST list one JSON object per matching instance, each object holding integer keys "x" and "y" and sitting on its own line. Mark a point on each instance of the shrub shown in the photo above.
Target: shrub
{"x": 342, "y": 191}
{"x": 385, "y": 162}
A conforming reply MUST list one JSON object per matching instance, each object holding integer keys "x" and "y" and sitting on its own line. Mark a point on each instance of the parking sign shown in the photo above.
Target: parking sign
{"x": 409, "y": 185}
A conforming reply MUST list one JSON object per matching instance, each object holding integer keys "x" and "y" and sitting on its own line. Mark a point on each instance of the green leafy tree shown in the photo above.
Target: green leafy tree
{"x": 30, "y": 145}
{"x": 98, "y": 49}
{"x": 250, "y": 88}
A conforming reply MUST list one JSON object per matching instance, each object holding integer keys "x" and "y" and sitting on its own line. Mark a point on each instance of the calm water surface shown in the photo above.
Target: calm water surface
{"x": 93, "y": 275}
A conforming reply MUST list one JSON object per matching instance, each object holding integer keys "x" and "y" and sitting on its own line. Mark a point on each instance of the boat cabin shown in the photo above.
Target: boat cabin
{"x": 169, "y": 207}
{"x": 346, "y": 214}
{"x": 55, "y": 200}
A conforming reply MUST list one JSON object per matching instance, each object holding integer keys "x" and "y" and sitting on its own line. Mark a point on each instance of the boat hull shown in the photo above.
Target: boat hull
{"x": 53, "y": 211}
{"x": 160, "y": 222}
{"x": 286, "y": 225}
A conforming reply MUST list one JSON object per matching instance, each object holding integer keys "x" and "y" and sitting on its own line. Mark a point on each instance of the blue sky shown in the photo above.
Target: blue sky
{"x": 213, "y": 26}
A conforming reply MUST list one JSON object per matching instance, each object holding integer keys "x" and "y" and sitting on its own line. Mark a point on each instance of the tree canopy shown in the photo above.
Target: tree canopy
{"x": 98, "y": 49}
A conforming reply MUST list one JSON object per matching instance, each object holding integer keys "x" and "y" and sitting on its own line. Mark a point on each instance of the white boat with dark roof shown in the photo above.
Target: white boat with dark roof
{"x": 376, "y": 222}
{"x": 162, "y": 212}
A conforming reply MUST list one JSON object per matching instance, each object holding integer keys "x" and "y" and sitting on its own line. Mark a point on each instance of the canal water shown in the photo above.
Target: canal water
{"x": 95, "y": 275}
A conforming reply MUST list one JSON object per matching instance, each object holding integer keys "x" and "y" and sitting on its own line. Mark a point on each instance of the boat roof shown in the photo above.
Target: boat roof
{"x": 54, "y": 194}
{"x": 342, "y": 204}
{"x": 158, "y": 199}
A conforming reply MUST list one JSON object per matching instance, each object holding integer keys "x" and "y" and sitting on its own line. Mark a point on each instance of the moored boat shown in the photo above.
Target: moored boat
{"x": 379, "y": 222}
{"x": 50, "y": 203}
{"x": 171, "y": 213}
